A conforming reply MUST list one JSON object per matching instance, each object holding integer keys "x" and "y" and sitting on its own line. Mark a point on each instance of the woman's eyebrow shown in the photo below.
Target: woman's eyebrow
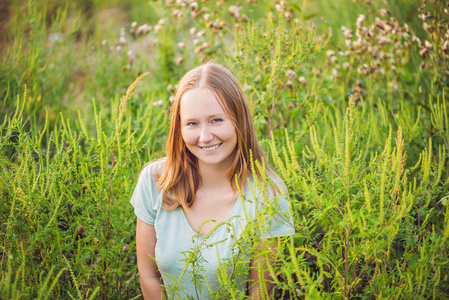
{"x": 189, "y": 118}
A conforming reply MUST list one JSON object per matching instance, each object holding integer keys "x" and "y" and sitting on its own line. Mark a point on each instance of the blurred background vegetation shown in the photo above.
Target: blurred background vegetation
{"x": 368, "y": 177}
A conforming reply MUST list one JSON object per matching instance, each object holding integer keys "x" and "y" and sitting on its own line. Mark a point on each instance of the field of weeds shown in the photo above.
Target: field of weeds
{"x": 348, "y": 99}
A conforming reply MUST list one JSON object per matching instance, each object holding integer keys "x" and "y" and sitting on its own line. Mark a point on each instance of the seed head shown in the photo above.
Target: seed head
{"x": 330, "y": 53}
{"x": 291, "y": 73}
{"x": 428, "y": 45}
{"x": 280, "y": 7}
{"x": 179, "y": 59}
{"x": 194, "y": 6}
{"x": 157, "y": 28}
{"x": 143, "y": 29}
{"x": 80, "y": 230}
{"x": 335, "y": 73}
{"x": 360, "y": 21}
{"x": 158, "y": 103}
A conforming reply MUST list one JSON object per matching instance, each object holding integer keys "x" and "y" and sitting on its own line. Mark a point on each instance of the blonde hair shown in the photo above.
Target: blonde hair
{"x": 180, "y": 178}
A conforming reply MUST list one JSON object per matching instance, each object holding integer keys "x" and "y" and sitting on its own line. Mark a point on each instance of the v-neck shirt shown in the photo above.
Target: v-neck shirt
{"x": 183, "y": 256}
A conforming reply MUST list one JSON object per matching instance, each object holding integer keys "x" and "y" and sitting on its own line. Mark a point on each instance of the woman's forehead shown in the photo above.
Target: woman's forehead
{"x": 200, "y": 102}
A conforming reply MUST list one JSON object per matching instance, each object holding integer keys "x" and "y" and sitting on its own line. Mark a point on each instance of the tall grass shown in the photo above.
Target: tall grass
{"x": 355, "y": 122}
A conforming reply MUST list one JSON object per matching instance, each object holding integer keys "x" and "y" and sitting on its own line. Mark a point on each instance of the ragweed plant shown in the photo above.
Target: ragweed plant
{"x": 367, "y": 178}
{"x": 356, "y": 211}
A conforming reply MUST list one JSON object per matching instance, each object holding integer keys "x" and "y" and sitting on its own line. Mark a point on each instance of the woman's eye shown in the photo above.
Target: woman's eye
{"x": 217, "y": 120}
{"x": 191, "y": 124}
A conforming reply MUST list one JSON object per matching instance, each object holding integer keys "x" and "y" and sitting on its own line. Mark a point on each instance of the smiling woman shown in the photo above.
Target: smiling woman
{"x": 207, "y": 131}
{"x": 188, "y": 206}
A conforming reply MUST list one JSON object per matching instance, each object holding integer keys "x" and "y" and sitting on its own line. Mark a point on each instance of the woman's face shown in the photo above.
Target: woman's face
{"x": 207, "y": 131}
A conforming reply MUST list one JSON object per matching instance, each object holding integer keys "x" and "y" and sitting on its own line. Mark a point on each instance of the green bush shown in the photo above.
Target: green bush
{"x": 363, "y": 154}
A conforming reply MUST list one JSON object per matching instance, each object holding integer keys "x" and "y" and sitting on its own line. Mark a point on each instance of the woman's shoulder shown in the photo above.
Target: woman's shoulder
{"x": 154, "y": 168}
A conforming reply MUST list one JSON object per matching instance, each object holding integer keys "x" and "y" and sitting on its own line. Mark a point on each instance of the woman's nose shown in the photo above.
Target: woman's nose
{"x": 205, "y": 135}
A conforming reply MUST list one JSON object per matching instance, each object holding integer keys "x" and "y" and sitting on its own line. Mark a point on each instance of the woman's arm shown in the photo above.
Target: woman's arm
{"x": 261, "y": 283}
{"x": 150, "y": 278}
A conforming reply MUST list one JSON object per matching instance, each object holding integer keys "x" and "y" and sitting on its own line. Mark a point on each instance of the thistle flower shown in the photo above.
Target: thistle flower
{"x": 360, "y": 21}
{"x": 201, "y": 48}
{"x": 158, "y": 103}
{"x": 383, "y": 12}
{"x": 330, "y": 53}
{"x": 143, "y": 29}
{"x": 194, "y": 6}
{"x": 157, "y": 28}
{"x": 334, "y": 74}
{"x": 234, "y": 11}
{"x": 179, "y": 59}
{"x": 291, "y": 73}
{"x": 177, "y": 13}
{"x": 347, "y": 33}
{"x": 280, "y": 7}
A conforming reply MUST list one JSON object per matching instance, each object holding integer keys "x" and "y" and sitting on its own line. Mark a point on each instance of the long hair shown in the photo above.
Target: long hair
{"x": 180, "y": 178}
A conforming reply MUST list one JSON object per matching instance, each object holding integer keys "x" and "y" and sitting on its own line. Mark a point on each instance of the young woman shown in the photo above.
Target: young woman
{"x": 189, "y": 211}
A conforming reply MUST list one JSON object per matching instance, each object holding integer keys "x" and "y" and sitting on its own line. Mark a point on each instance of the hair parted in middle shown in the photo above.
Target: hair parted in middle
{"x": 180, "y": 178}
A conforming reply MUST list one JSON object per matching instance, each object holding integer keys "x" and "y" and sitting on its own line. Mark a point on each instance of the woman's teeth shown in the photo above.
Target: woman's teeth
{"x": 211, "y": 148}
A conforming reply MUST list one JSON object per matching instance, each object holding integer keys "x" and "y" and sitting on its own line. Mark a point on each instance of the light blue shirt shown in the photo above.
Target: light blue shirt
{"x": 184, "y": 257}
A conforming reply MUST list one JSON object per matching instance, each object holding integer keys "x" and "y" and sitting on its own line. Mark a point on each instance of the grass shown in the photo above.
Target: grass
{"x": 359, "y": 134}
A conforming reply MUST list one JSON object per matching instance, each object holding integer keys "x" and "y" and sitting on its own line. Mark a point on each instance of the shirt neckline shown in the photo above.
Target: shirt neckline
{"x": 230, "y": 214}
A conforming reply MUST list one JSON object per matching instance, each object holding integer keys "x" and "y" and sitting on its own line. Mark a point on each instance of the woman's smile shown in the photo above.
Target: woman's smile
{"x": 210, "y": 149}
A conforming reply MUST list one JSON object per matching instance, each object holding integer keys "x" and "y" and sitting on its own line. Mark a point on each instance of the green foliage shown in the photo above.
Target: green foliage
{"x": 354, "y": 120}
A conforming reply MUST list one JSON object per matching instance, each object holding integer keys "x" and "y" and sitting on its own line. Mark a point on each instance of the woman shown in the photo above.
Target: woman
{"x": 190, "y": 216}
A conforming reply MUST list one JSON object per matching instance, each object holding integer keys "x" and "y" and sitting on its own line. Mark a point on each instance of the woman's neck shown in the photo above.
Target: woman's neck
{"x": 213, "y": 177}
